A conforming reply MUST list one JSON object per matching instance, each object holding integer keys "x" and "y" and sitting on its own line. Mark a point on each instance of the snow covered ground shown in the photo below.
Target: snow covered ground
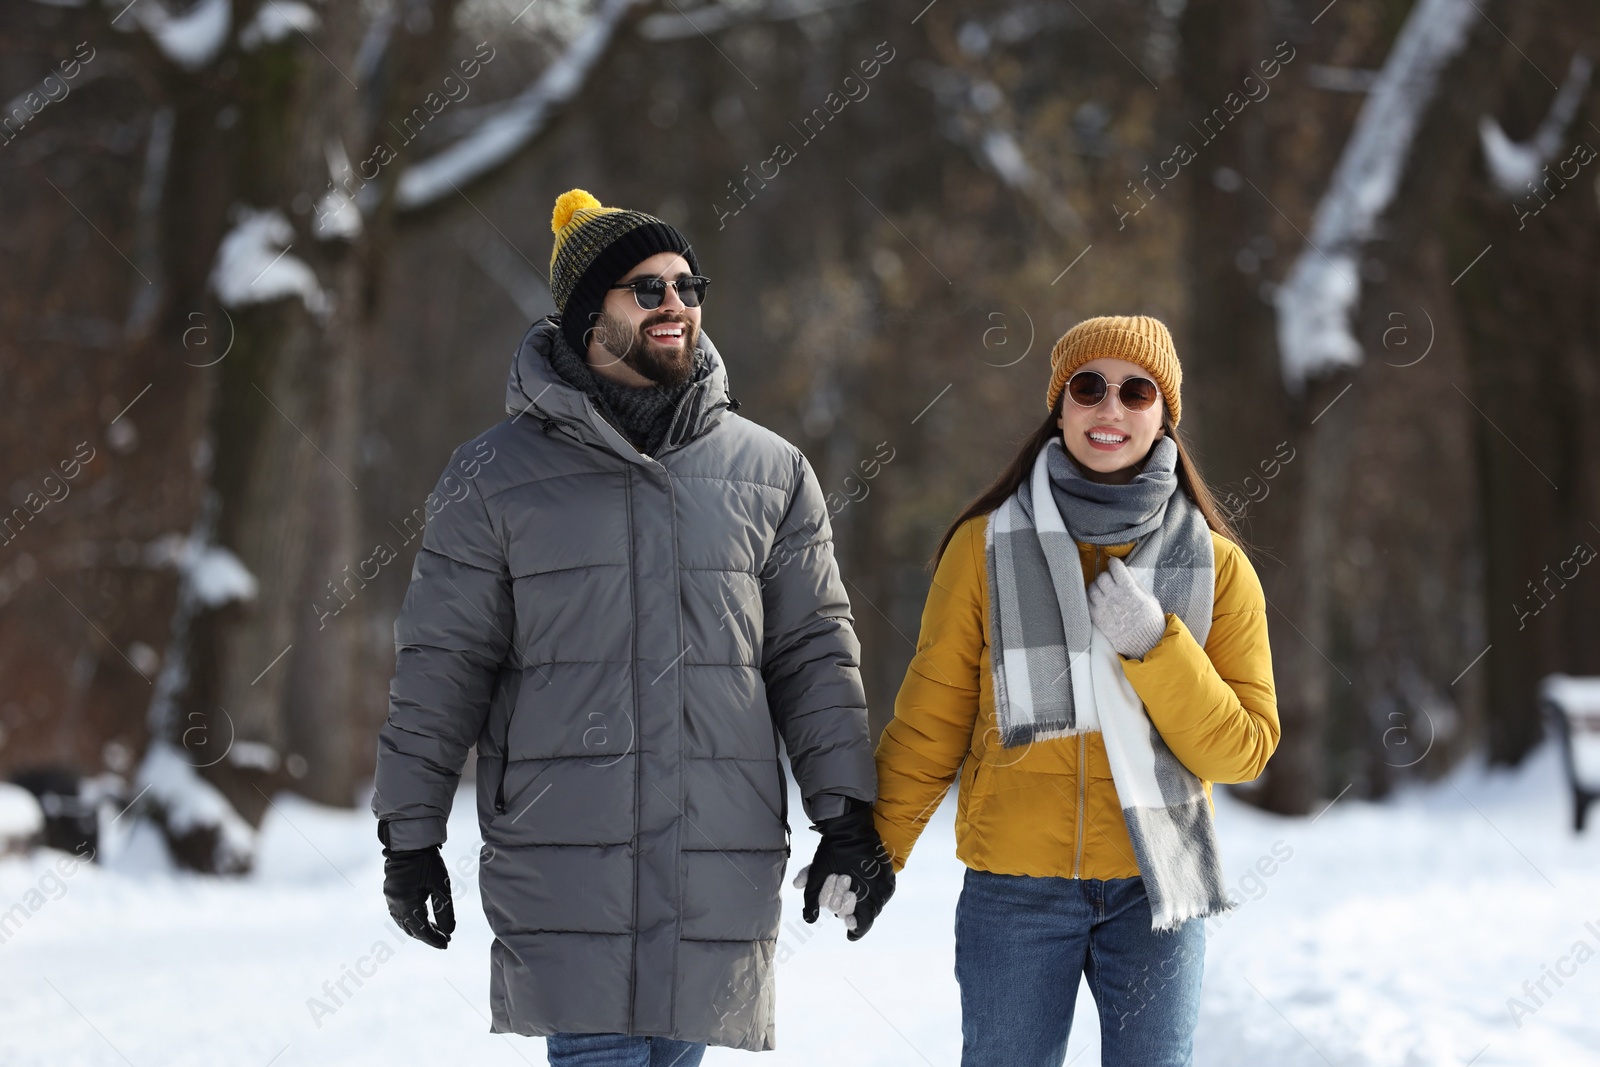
{"x": 1385, "y": 934}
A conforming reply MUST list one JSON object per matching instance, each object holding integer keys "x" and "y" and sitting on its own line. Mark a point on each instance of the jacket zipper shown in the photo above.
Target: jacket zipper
{"x": 1083, "y": 749}
{"x": 1083, "y": 746}
{"x": 633, "y": 654}
{"x": 783, "y": 791}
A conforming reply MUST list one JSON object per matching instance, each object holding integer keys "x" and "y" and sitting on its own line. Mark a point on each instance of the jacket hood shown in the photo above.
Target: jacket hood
{"x": 534, "y": 388}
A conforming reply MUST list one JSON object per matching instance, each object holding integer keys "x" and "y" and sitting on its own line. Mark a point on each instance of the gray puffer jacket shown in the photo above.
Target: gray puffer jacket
{"x": 625, "y": 637}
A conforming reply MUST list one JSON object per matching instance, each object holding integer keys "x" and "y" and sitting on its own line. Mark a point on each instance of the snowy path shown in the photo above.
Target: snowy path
{"x": 1390, "y": 934}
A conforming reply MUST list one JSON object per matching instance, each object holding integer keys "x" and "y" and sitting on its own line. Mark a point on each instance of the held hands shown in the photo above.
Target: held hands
{"x": 835, "y": 895}
{"x": 412, "y": 877}
{"x": 850, "y": 875}
{"x": 1131, "y": 618}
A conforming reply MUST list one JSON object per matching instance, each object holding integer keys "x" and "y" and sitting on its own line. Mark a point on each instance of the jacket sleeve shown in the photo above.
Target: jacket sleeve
{"x": 920, "y": 752}
{"x": 1215, "y": 707}
{"x": 811, "y": 659}
{"x": 452, "y": 632}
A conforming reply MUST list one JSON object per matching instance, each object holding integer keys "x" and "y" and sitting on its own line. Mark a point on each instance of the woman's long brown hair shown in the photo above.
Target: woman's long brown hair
{"x": 1190, "y": 481}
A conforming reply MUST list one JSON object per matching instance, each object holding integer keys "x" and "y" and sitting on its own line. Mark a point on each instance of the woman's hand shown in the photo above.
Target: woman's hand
{"x": 851, "y": 874}
{"x": 1131, "y": 618}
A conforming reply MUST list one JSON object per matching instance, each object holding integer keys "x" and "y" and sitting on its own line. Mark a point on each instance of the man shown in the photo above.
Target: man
{"x": 624, "y": 603}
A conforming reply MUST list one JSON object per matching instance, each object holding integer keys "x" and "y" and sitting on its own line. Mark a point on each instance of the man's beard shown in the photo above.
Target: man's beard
{"x": 629, "y": 345}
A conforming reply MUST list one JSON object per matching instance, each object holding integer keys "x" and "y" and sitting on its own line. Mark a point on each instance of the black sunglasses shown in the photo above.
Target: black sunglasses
{"x": 1088, "y": 388}
{"x": 648, "y": 293}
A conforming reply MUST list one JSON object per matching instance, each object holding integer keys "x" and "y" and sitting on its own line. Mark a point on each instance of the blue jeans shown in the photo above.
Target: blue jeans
{"x": 1021, "y": 945}
{"x": 620, "y": 1050}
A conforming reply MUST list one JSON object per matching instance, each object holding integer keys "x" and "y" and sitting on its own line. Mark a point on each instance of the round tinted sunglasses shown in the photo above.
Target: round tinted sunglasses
{"x": 1088, "y": 388}
{"x": 649, "y": 293}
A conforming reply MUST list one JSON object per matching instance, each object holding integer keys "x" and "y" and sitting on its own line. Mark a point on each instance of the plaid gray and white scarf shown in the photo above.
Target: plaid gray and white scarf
{"x": 1055, "y": 674}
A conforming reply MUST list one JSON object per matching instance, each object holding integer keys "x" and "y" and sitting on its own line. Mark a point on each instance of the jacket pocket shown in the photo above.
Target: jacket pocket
{"x": 980, "y": 785}
{"x": 490, "y": 773}
{"x": 783, "y": 788}
{"x": 497, "y": 728}
{"x": 500, "y": 788}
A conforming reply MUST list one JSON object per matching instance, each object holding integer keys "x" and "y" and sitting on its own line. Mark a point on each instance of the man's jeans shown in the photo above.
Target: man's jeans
{"x": 1021, "y": 945}
{"x": 620, "y": 1050}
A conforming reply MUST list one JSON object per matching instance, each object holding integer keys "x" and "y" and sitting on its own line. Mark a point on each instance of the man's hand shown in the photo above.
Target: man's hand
{"x": 850, "y": 875}
{"x": 411, "y": 878}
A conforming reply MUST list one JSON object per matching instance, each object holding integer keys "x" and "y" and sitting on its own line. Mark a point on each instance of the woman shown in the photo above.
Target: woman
{"x": 1086, "y": 724}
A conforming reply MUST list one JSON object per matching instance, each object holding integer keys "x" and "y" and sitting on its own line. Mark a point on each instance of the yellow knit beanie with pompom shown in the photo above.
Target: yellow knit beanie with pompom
{"x": 595, "y": 246}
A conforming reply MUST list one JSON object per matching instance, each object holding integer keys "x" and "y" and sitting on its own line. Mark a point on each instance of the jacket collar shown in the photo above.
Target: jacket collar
{"x": 534, "y": 390}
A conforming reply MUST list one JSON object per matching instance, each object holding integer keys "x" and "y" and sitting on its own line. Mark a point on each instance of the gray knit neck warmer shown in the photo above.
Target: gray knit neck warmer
{"x": 1103, "y": 514}
{"x": 643, "y": 413}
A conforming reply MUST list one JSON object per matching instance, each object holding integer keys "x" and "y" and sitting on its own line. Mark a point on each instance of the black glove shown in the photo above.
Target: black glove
{"x": 411, "y": 877}
{"x": 851, "y": 849}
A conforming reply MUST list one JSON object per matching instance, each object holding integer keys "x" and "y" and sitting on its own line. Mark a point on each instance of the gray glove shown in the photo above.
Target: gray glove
{"x": 1131, "y": 618}
{"x": 836, "y": 895}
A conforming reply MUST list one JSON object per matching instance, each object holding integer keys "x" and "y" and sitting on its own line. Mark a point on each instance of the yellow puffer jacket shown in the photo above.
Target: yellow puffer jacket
{"x": 1051, "y": 808}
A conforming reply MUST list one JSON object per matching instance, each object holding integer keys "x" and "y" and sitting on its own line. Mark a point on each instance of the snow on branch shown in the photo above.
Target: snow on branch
{"x": 338, "y": 213}
{"x": 251, "y": 268}
{"x": 974, "y": 113}
{"x": 673, "y": 25}
{"x": 214, "y": 575}
{"x": 1512, "y": 164}
{"x": 1315, "y": 301}
{"x": 505, "y": 132}
{"x": 191, "y": 39}
{"x": 275, "y": 20}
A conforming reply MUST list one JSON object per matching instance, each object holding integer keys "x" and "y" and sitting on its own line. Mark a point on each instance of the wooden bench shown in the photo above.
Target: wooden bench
{"x": 1572, "y": 705}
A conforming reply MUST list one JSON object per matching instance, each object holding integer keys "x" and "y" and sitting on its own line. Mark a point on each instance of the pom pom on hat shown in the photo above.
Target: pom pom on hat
{"x": 569, "y": 203}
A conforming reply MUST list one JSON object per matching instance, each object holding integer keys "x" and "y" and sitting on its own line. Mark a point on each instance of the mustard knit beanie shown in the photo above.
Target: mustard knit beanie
{"x": 594, "y": 247}
{"x": 1136, "y": 338}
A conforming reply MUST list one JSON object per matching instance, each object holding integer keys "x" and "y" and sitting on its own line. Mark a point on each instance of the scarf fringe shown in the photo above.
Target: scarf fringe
{"x": 1171, "y": 919}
